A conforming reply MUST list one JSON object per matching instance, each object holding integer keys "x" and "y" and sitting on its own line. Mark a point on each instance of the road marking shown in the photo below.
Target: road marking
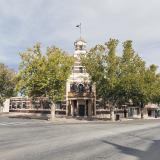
{"x": 15, "y": 123}
{"x": 4, "y": 124}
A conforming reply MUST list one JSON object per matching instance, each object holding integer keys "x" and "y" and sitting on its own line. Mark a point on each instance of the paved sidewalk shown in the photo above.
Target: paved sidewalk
{"x": 68, "y": 120}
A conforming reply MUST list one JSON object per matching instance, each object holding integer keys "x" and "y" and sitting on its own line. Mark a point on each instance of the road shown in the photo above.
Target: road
{"x": 41, "y": 140}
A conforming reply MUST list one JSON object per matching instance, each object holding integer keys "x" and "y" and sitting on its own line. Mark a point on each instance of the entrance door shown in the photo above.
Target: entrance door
{"x": 81, "y": 110}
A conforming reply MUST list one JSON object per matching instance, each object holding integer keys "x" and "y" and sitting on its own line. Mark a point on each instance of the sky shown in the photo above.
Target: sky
{"x": 52, "y": 22}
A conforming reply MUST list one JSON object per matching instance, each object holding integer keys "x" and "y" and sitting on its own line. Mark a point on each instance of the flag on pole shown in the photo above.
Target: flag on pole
{"x": 79, "y": 25}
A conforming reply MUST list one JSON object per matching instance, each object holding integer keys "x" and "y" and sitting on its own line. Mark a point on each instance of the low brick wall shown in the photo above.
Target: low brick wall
{"x": 58, "y": 112}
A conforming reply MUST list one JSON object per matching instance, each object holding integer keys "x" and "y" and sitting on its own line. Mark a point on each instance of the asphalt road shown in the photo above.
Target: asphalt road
{"x": 41, "y": 140}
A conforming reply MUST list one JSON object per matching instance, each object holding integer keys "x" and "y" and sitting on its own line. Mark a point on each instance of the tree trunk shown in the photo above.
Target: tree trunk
{"x": 53, "y": 109}
{"x": 142, "y": 106}
{"x": 112, "y": 115}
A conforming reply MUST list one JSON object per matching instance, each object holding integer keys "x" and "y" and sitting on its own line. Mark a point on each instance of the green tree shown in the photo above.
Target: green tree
{"x": 120, "y": 80}
{"x": 131, "y": 69}
{"x": 127, "y": 71}
{"x": 44, "y": 75}
{"x": 111, "y": 75}
{"x": 132, "y": 72}
{"x": 7, "y": 83}
{"x": 148, "y": 87}
{"x": 102, "y": 64}
{"x": 138, "y": 83}
{"x": 156, "y": 90}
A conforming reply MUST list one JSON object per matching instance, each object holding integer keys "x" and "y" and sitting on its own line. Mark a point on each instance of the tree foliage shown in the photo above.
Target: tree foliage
{"x": 44, "y": 75}
{"x": 102, "y": 64}
{"x": 7, "y": 83}
{"x": 122, "y": 79}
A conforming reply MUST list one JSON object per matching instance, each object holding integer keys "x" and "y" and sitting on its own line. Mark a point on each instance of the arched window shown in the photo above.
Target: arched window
{"x": 90, "y": 88}
{"x": 73, "y": 87}
{"x": 80, "y": 47}
{"x": 81, "y": 69}
{"x": 80, "y": 88}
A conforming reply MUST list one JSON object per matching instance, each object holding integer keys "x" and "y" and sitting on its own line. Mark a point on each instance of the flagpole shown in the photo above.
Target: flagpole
{"x": 80, "y": 30}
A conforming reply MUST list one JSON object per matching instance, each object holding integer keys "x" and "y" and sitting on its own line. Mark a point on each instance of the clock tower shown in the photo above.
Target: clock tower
{"x": 80, "y": 92}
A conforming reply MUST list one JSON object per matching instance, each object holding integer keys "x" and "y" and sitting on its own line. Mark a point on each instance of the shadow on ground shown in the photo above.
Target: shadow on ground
{"x": 33, "y": 116}
{"x": 152, "y": 153}
{"x": 89, "y": 118}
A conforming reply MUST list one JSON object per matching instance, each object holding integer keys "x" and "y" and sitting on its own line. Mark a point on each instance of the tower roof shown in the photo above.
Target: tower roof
{"x": 80, "y": 39}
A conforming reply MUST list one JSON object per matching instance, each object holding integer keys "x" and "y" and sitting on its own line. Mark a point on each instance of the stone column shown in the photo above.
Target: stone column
{"x": 71, "y": 103}
{"x": 89, "y": 108}
{"x": 85, "y": 109}
{"x": 77, "y": 108}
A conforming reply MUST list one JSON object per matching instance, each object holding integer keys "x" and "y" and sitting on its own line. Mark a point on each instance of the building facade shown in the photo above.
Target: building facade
{"x": 80, "y": 92}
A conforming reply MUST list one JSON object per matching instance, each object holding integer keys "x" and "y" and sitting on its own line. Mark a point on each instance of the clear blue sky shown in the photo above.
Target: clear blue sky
{"x": 25, "y": 22}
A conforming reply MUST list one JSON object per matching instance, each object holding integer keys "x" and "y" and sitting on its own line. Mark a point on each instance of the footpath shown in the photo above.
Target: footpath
{"x": 67, "y": 120}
